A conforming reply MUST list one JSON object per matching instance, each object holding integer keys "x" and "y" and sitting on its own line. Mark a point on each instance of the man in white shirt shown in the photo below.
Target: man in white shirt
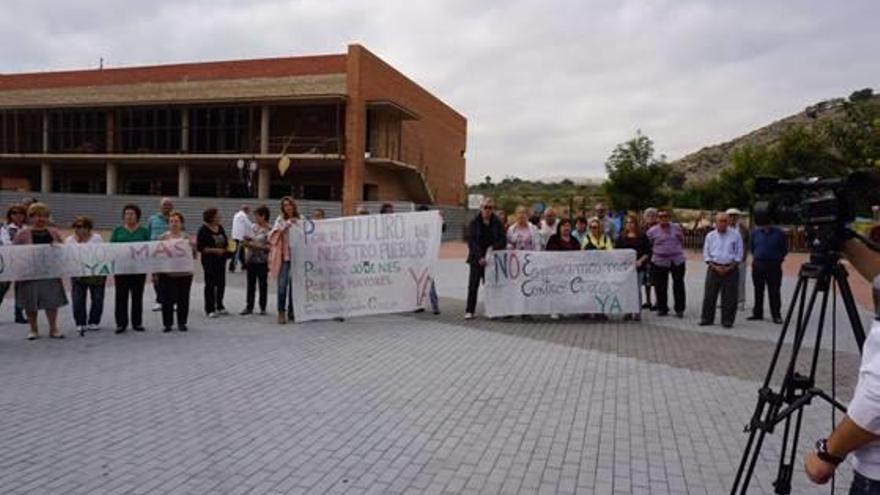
{"x": 859, "y": 431}
{"x": 241, "y": 227}
{"x": 723, "y": 251}
{"x": 548, "y": 226}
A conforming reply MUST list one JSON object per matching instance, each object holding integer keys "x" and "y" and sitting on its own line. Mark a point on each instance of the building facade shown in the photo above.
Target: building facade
{"x": 351, "y": 127}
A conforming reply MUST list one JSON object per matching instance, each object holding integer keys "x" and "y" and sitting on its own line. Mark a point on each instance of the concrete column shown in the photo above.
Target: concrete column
{"x": 45, "y": 177}
{"x": 112, "y": 179}
{"x": 183, "y": 180}
{"x": 184, "y": 133}
{"x": 45, "y": 131}
{"x": 263, "y": 181}
{"x": 354, "y": 167}
{"x": 264, "y": 130}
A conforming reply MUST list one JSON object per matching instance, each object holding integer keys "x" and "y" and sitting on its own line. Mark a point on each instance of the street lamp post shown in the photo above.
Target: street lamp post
{"x": 247, "y": 171}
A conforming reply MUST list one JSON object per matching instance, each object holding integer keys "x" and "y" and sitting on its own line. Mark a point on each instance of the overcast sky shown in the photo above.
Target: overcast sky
{"x": 548, "y": 87}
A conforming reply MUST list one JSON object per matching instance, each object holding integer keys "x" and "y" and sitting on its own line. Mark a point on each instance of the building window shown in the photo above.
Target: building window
{"x": 371, "y": 192}
{"x": 204, "y": 189}
{"x": 77, "y": 131}
{"x": 148, "y": 130}
{"x": 138, "y": 187}
{"x": 280, "y": 190}
{"x": 21, "y": 131}
{"x": 222, "y": 130}
{"x": 318, "y": 192}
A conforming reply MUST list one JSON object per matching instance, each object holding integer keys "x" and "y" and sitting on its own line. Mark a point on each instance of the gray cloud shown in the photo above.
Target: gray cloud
{"x": 548, "y": 88}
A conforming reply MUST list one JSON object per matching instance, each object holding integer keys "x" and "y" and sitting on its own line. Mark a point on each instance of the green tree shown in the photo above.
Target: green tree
{"x": 635, "y": 175}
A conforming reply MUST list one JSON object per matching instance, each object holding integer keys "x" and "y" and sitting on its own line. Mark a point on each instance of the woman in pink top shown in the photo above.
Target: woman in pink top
{"x": 523, "y": 235}
{"x": 279, "y": 257}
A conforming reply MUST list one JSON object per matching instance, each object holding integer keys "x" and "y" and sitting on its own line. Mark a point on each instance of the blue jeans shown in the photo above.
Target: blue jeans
{"x": 432, "y": 296}
{"x": 285, "y": 292}
{"x": 863, "y": 486}
{"x": 79, "y": 291}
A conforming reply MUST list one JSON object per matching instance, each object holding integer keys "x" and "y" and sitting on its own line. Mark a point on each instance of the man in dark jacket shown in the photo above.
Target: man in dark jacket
{"x": 484, "y": 232}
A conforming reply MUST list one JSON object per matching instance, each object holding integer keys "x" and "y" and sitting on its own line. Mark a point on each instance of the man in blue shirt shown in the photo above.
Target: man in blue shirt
{"x": 157, "y": 224}
{"x": 722, "y": 250}
{"x": 769, "y": 247}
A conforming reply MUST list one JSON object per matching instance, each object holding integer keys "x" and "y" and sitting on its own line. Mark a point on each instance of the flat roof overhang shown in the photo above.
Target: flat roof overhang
{"x": 286, "y": 89}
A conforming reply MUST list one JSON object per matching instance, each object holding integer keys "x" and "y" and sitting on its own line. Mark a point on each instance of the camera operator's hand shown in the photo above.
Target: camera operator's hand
{"x": 818, "y": 470}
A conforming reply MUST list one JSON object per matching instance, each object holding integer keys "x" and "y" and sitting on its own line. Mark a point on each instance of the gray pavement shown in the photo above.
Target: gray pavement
{"x": 392, "y": 404}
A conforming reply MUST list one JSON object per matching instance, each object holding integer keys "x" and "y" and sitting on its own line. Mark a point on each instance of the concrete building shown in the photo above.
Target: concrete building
{"x": 354, "y": 129}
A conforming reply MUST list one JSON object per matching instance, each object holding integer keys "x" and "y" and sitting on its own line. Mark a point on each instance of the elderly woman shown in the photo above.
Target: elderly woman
{"x": 597, "y": 238}
{"x": 175, "y": 286}
{"x": 130, "y": 287}
{"x": 563, "y": 240}
{"x": 279, "y": 257}
{"x": 83, "y": 287}
{"x": 213, "y": 243}
{"x": 43, "y": 294}
{"x": 523, "y": 235}
{"x": 16, "y": 216}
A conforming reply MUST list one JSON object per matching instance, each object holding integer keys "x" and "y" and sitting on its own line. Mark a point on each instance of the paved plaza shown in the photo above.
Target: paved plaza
{"x": 412, "y": 403}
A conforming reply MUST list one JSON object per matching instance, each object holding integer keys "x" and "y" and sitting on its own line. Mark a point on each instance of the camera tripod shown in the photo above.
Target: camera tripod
{"x": 797, "y": 390}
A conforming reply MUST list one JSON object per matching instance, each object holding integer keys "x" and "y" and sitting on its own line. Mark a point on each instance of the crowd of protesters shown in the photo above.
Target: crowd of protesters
{"x": 659, "y": 244}
{"x": 259, "y": 245}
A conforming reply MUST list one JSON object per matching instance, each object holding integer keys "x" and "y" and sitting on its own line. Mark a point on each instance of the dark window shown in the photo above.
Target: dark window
{"x": 140, "y": 187}
{"x": 77, "y": 131}
{"x": 208, "y": 189}
{"x": 21, "y": 131}
{"x": 371, "y": 192}
{"x": 280, "y": 190}
{"x": 148, "y": 130}
{"x": 317, "y": 192}
{"x": 221, "y": 130}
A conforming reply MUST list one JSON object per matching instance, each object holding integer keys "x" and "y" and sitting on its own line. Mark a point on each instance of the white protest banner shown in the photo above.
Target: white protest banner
{"x": 563, "y": 282}
{"x": 363, "y": 265}
{"x": 30, "y": 261}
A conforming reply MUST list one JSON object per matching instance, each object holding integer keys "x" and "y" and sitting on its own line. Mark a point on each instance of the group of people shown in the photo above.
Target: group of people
{"x": 660, "y": 255}
{"x": 261, "y": 247}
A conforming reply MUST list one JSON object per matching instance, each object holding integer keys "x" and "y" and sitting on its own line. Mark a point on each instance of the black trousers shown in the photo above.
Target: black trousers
{"x": 257, "y": 274}
{"x": 130, "y": 287}
{"x": 477, "y": 273}
{"x": 215, "y": 284}
{"x": 175, "y": 293}
{"x": 79, "y": 291}
{"x": 660, "y": 281}
{"x": 728, "y": 286}
{"x": 769, "y": 274}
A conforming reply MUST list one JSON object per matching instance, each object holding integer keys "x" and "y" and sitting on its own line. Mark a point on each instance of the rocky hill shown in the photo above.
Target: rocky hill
{"x": 706, "y": 163}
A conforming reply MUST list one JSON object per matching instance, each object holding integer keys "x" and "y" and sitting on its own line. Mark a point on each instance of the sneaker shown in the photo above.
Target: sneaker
{"x": 157, "y": 307}
{"x": 222, "y": 312}
{"x": 246, "y": 312}
{"x": 262, "y": 312}
{"x": 138, "y": 329}
{"x": 679, "y": 314}
{"x": 436, "y": 311}
{"x": 33, "y": 336}
{"x": 704, "y": 323}
{"x": 212, "y": 315}
{"x": 777, "y": 320}
{"x": 182, "y": 328}
{"x": 282, "y": 318}
{"x": 93, "y": 327}
{"x": 166, "y": 329}
{"x": 468, "y": 316}
{"x": 120, "y": 330}
{"x": 81, "y": 329}
{"x": 554, "y": 316}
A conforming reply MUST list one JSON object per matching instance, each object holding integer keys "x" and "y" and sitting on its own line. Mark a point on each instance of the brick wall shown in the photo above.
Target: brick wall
{"x": 436, "y": 141}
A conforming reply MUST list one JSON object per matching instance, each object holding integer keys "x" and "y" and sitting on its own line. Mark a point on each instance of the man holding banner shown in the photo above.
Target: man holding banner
{"x": 485, "y": 233}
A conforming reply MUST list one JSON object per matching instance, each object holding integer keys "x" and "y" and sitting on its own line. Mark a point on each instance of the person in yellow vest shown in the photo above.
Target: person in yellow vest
{"x": 596, "y": 238}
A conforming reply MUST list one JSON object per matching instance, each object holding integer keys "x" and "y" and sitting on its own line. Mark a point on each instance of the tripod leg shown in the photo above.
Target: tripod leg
{"x": 762, "y": 403}
{"x": 840, "y": 275}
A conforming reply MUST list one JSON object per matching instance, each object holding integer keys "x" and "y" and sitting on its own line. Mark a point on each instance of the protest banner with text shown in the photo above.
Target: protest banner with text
{"x": 561, "y": 282}
{"x": 363, "y": 265}
{"x": 30, "y": 262}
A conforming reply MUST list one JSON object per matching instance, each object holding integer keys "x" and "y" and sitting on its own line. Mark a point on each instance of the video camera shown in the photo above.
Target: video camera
{"x": 823, "y": 206}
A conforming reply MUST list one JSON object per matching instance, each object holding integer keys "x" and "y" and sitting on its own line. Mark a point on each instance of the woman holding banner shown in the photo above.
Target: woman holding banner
{"x": 174, "y": 287}
{"x": 524, "y": 235}
{"x": 16, "y": 216}
{"x": 634, "y": 238}
{"x": 212, "y": 243}
{"x": 485, "y": 233}
{"x": 279, "y": 257}
{"x": 42, "y": 294}
{"x": 83, "y": 287}
{"x": 257, "y": 244}
{"x": 130, "y": 285}
{"x": 562, "y": 240}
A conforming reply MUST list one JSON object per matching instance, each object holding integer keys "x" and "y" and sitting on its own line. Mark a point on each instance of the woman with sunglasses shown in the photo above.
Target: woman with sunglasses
{"x": 633, "y": 238}
{"x": 83, "y": 287}
{"x": 596, "y": 237}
